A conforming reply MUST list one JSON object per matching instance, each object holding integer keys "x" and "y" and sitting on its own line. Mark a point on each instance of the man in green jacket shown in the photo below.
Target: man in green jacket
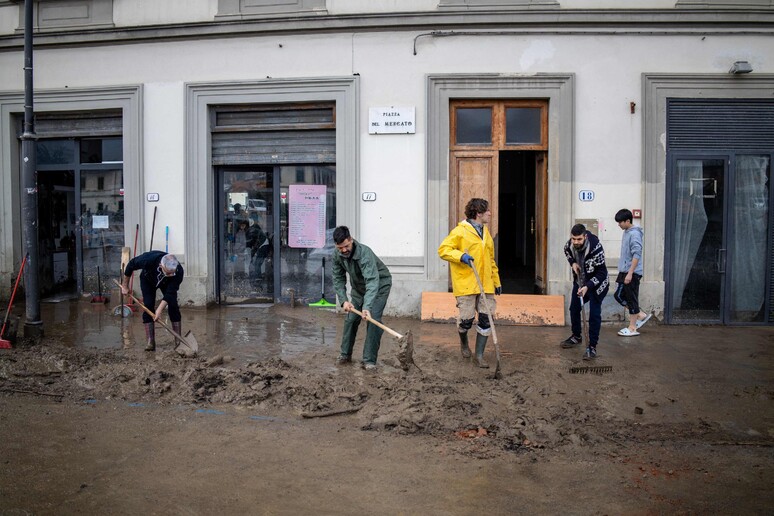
{"x": 370, "y": 283}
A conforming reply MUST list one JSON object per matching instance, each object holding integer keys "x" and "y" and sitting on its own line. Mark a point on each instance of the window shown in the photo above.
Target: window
{"x": 726, "y": 4}
{"x": 516, "y": 124}
{"x": 69, "y": 14}
{"x": 255, "y": 8}
{"x": 474, "y": 126}
{"x": 101, "y": 183}
{"x": 496, "y": 4}
{"x": 102, "y": 150}
{"x": 522, "y": 125}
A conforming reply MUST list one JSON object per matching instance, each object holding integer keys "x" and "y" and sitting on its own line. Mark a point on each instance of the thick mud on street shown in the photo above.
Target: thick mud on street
{"x": 262, "y": 421}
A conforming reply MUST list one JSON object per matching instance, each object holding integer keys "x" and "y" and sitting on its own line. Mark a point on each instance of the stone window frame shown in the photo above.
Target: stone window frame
{"x": 725, "y": 4}
{"x": 199, "y": 193}
{"x": 98, "y": 15}
{"x": 498, "y": 4}
{"x": 239, "y": 9}
{"x": 129, "y": 99}
{"x": 559, "y": 90}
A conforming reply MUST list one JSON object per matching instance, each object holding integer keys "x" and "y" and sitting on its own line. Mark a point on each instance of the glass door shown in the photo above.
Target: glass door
{"x": 719, "y": 239}
{"x": 102, "y": 226}
{"x": 749, "y": 239}
{"x": 246, "y": 243}
{"x": 307, "y": 270}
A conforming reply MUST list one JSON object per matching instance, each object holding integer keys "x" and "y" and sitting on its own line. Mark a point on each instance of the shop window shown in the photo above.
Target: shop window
{"x": 55, "y": 152}
{"x": 69, "y": 14}
{"x": 256, "y": 8}
{"x": 102, "y": 150}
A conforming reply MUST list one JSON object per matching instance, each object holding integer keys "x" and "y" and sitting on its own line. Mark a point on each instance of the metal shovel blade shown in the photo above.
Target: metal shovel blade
{"x": 406, "y": 351}
{"x": 189, "y": 347}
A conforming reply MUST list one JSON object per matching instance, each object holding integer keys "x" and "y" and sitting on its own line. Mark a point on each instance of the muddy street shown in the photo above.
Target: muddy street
{"x": 264, "y": 422}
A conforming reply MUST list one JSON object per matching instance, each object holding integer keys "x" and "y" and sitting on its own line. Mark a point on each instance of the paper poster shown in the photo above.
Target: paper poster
{"x": 100, "y": 222}
{"x": 306, "y": 216}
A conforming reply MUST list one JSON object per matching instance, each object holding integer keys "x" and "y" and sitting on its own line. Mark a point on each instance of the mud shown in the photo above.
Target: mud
{"x": 672, "y": 398}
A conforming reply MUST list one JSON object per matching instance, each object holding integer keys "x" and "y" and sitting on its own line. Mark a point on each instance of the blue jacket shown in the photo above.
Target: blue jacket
{"x": 631, "y": 248}
{"x": 150, "y": 264}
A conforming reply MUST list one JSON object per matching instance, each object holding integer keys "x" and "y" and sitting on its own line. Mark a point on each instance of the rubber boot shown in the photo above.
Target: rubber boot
{"x": 464, "y": 348}
{"x": 480, "y": 346}
{"x": 177, "y": 327}
{"x": 150, "y": 334}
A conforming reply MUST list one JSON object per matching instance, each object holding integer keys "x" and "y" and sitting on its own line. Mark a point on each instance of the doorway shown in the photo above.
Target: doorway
{"x": 720, "y": 242}
{"x": 260, "y": 260}
{"x": 521, "y": 220}
{"x": 498, "y": 152}
{"x": 80, "y": 214}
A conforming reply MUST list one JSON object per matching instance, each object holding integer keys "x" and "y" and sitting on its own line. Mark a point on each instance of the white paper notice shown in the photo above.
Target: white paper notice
{"x": 306, "y": 216}
{"x": 100, "y": 222}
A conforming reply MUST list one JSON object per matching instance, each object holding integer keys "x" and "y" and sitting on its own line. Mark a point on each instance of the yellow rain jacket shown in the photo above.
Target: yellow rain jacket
{"x": 464, "y": 238}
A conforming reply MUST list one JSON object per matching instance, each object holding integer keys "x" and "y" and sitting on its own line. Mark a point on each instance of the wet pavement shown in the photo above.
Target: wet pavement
{"x": 683, "y": 422}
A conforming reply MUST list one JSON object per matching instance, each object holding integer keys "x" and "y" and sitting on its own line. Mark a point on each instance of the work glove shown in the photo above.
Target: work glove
{"x": 467, "y": 259}
{"x": 498, "y": 291}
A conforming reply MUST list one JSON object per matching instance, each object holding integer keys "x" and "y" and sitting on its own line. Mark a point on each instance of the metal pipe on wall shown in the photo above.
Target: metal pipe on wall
{"x": 29, "y": 199}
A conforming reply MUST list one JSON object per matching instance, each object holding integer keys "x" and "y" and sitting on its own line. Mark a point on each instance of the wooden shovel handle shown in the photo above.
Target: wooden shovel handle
{"x": 380, "y": 325}
{"x": 153, "y": 315}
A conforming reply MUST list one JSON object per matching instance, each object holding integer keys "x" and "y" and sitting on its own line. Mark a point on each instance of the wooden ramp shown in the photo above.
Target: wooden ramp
{"x": 512, "y": 309}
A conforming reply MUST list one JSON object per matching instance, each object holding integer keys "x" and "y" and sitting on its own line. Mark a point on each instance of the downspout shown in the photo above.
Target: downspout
{"x": 33, "y": 326}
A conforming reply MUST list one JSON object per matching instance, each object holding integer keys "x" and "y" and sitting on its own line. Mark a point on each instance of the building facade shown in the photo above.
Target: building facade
{"x": 238, "y": 133}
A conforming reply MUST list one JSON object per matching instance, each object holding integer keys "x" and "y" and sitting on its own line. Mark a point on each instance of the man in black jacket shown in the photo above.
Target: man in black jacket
{"x": 159, "y": 271}
{"x": 587, "y": 259}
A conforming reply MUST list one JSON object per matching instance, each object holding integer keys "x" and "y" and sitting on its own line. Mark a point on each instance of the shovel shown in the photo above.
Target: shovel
{"x": 406, "y": 351}
{"x": 497, "y": 373}
{"x": 188, "y": 346}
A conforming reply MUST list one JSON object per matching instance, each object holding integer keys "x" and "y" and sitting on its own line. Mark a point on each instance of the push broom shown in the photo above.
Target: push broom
{"x": 6, "y": 344}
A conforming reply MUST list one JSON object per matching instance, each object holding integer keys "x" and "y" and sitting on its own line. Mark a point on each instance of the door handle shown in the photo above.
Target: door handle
{"x": 532, "y": 225}
{"x": 720, "y": 258}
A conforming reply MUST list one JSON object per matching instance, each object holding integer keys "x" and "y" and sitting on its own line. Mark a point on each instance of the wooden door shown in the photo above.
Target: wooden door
{"x": 475, "y": 174}
{"x": 541, "y": 221}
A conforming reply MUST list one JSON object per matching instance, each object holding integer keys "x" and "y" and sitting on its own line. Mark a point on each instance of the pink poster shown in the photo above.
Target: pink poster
{"x": 306, "y": 216}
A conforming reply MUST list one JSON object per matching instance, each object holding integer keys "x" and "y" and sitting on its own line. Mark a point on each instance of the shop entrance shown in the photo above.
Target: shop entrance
{"x": 258, "y": 260}
{"x": 80, "y": 214}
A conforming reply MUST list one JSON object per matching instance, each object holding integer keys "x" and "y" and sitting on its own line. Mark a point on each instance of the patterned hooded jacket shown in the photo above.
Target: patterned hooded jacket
{"x": 593, "y": 268}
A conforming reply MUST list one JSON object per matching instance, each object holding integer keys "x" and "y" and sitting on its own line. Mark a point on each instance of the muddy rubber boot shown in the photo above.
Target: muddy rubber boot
{"x": 177, "y": 327}
{"x": 464, "y": 348}
{"x": 150, "y": 334}
{"x": 480, "y": 346}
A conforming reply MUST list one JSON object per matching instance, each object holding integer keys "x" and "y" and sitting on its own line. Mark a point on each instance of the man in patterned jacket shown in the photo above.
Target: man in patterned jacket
{"x": 587, "y": 259}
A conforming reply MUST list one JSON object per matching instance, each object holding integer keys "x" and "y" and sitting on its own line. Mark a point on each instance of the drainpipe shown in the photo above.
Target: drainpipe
{"x": 33, "y": 327}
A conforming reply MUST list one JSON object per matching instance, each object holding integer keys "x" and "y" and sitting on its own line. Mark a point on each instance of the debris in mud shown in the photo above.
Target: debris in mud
{"x": 471, "y": 433}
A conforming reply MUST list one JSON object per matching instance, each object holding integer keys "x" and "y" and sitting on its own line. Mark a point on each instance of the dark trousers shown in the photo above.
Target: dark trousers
{"x": 595, "y": 314}
{"x": 149, "y": 288}
{"x": 373, "y": 332}
{"x": 628, "y": 295}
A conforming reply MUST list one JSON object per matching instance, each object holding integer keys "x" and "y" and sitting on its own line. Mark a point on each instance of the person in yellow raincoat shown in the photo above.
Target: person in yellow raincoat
{"x": 470, "y": 245}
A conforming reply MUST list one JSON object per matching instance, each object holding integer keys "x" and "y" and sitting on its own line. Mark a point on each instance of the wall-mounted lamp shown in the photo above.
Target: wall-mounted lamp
{"x": 740, "y": 67}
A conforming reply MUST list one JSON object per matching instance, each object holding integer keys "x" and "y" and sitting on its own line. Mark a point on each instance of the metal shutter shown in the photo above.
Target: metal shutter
{"x": 273, "y": 134}
{"x": 78, "y": 125}
{"x": 720, "y": 124}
